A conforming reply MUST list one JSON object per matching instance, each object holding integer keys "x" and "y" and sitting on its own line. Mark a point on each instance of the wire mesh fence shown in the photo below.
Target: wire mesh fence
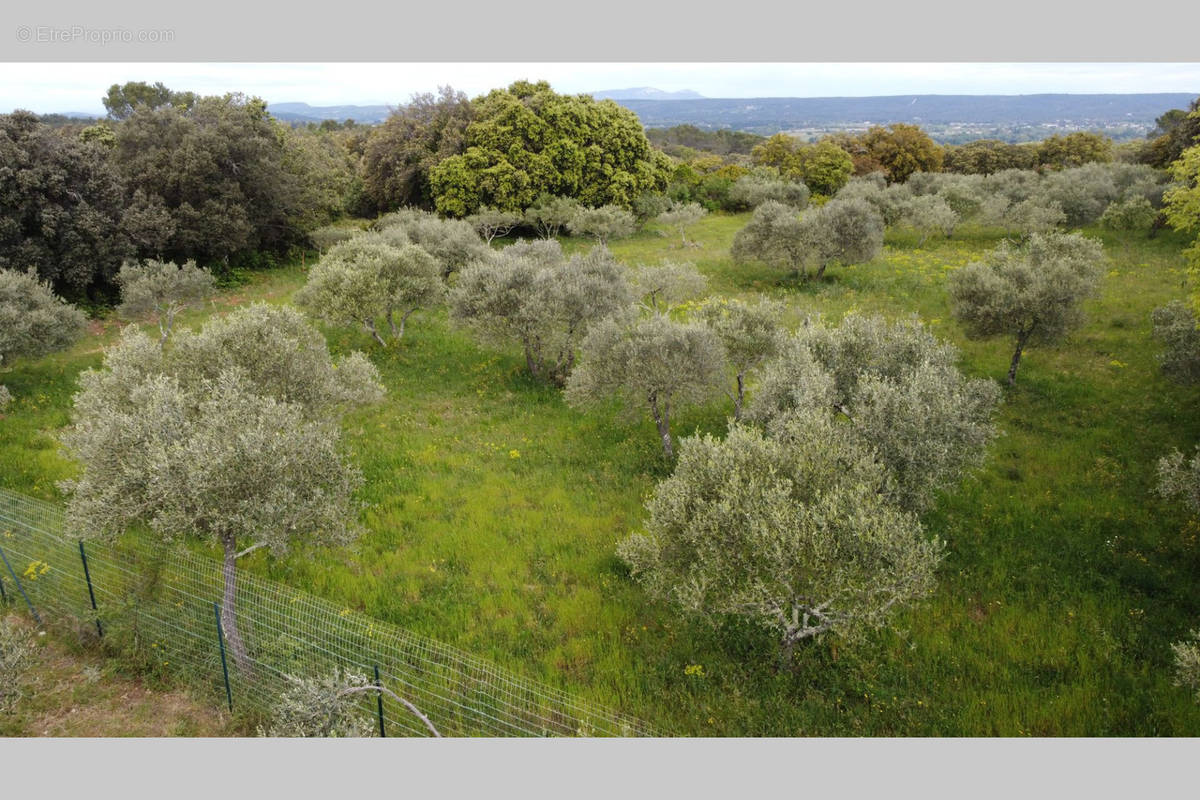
{"x": 161, "y": 604}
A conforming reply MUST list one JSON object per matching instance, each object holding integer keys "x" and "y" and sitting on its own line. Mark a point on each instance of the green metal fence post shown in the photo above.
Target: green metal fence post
{"x": 379, "y": 700}
{"x": 21, "y": 589}
{"x": 91, "y": 594}
{"x": 224, "y": 664}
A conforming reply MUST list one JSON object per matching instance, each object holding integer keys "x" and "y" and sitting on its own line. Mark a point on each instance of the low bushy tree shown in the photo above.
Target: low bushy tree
{"x": 452, "y": 242}
{"x": 664, "y": 286}
{"x": 163, "y": 289}
{"x": 364, "y": 278}
{"x": 492, "y": 222}
{"x": 549, "y": 215}
{"x": 650, "y": 363}
{"x": 1032, "y": 292}
{"x": 792, "y": 532}
{"x": 531, "y": 293}
{"x": 33, "y": 320}
{"x": 896, "y": 388}
{"x": 229, "y": 435}
{"x": 682, "y": 216}
{"x": 1130, "y": 214}
{"x": 604, "y": 223}
{"x": 1175, "y": 324}
{"x": 750, "y": 333}
{"x": 327, "y": 236}
{"x": 773, "y": 236}
{"x": 927, "y": 215}
{"x": 760, "y": 186}
{"x": 842, "y": 231}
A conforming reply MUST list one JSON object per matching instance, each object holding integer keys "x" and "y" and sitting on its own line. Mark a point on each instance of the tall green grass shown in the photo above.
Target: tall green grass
{"x": 494, "y": 510}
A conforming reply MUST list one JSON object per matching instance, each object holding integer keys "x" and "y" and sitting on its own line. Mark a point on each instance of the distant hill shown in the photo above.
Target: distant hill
{"x": 772, "y": 114}
{"x": 303, "y": 112}
{"x": 646, "y": 93}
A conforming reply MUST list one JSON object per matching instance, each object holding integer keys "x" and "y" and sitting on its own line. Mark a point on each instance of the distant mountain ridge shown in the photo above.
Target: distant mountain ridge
{"x": 771, "y": 114}
{"x": 646, "y": 93}
{"x": 303, "y": 112}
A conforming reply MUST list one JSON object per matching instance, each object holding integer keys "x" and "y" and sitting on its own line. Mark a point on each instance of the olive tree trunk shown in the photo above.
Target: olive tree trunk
{"x": 229, "y": 607}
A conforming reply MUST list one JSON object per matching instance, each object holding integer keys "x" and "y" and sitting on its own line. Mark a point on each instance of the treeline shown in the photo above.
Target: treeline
{"x": 172, "y": 175}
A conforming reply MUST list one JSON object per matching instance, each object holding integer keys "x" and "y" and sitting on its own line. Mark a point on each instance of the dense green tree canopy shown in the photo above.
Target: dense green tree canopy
{"x": 60, "y": 206}
{"x": 401, "y": 152}
{"x": 527, "y": 140}
{"x": 123, "y": 99}
{"x": 903, "y": 149}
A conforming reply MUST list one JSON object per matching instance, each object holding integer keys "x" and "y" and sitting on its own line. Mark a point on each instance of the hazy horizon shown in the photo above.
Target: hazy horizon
{"x": 57, "y": 88}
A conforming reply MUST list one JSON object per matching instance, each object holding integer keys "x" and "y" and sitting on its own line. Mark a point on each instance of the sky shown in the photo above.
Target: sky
{"x": 48, "y": 88}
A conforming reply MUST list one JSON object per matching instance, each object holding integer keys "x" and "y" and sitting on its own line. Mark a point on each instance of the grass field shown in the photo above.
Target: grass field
{"x": 495, "y": 508}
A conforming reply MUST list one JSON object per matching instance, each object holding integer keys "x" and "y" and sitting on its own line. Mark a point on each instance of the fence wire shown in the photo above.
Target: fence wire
{"x": 156, "y": 602}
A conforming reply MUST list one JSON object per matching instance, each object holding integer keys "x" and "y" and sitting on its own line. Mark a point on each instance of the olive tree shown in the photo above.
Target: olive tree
{"x": 33, "y": 320}
{"x": 452, "y": 242}
{"x": 751, "y": 334}
{"x": 364, "y": 278}
{"x": 668, "y": 284}
{"x": 897, "y": 389}
{"x": 530, "y": 292}
{"x": 327, "y": 236}
{"x": 773, "y": 236}
{"x": 1175, "y": 324}
{"x": 492, "y": 222}
{"x": 682, "y": 216}
{"x": 1187, "y": 663}
{"x": 1179, "y": 479}
{"x": 549, "y": 215}
{"x": 1032, "y": 292}
{"x": 230, "y": 435}
{"x": 752, "y": 190}
{"x": 653, "y": 363}
{"x": 843, "y": 232}
{"x": 927, "y": 215}
{"x": 792, "y": 532}
{"x": 1133, "y": 213}
{"x": 604, "y": 223}
{"x": 163, "y": 289}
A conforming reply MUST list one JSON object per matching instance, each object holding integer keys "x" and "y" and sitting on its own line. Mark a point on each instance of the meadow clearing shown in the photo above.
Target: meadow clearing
{"x": 494, "y": 511}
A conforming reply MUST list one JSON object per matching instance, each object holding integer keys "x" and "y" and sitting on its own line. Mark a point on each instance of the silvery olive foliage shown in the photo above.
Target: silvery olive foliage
{"x": 1187, "y": 663}
{"x": 1133, "y": 213}
{"x": 929, "y": 214}
{"x": 327, "y": 236}
{"x": 666, "y": 285}
{"x": 549, "y": 215}
{"x": 321, "y": 707}
{"x": 843, "y": 232}
{"x": 889, "y": 200}
{"x": 33, "y": 320}
{"x": 1033, "y": 292}
{"x": 163, "y": 289}
{"x": 1175, "y": 324}
{"x": 773, "y": 236}
{"x": 16, "y": 657}
{"x": 492, "y": 222}
{"x": 752, "y": 190}
{"x": 750, "y": 333}
{"x": 604, "y": 223}
{"x": 454, "y": 243}
{"x": 898, "y": 392}
{"x": 366, "y": 277}
{"x": 230, "y": 435}
{"x": 792, "y": 531}
{"x": 682, "y": 216}
{"x": 651, "y": 363}
{"x": 532, "y": 293}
